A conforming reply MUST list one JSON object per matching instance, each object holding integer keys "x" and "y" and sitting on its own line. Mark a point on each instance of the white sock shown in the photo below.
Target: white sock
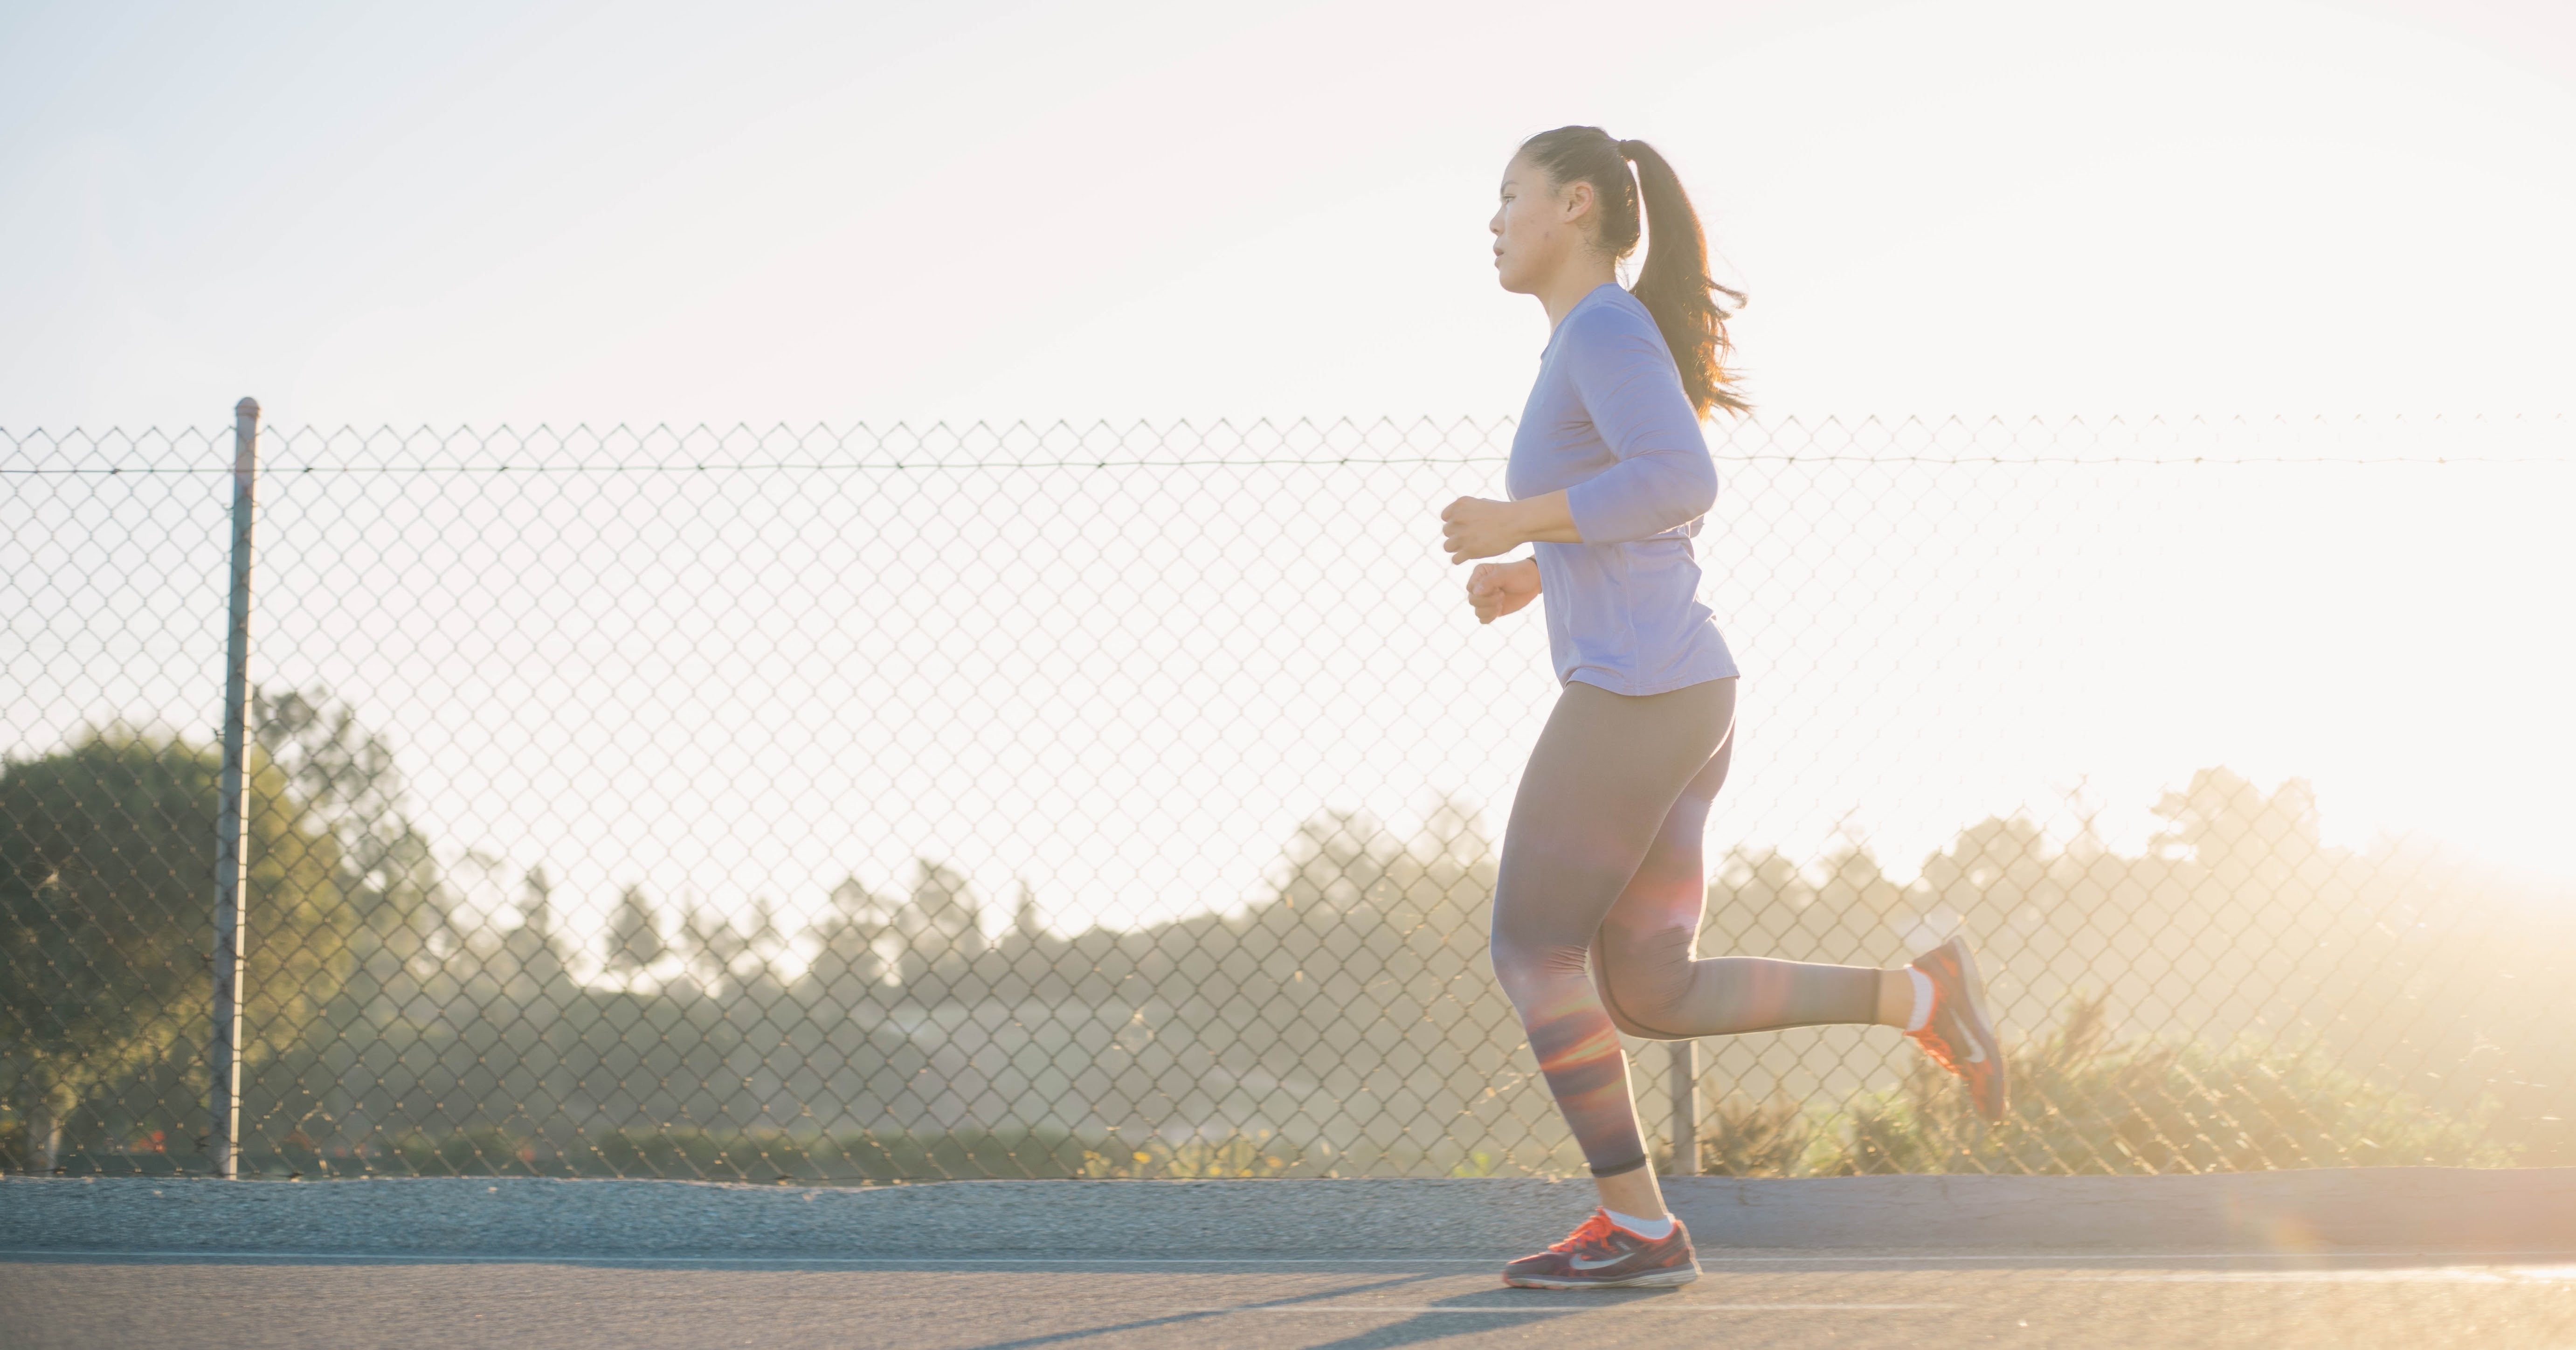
{"x": 1653, "y": 1230}
{"x": 1922, "y": 1000}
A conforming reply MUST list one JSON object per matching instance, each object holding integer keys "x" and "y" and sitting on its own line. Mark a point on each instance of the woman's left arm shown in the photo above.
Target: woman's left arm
{"x": 1664, "y": 478}
{"x": 1474, "y": 527}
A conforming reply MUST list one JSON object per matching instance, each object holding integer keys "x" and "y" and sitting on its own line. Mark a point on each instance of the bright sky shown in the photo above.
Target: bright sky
{"x": 589, "y": 213}
{"x": 402, "y": 213}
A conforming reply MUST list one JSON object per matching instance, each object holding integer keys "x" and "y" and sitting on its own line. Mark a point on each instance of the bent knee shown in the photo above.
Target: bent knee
{"x": 1632, "y": 1019}
{"x": 1643, "y": 982}
{"x": 1629, "y": 1026}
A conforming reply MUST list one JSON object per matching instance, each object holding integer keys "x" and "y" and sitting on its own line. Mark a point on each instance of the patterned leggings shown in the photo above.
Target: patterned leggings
{"x": 1597, "y": 908}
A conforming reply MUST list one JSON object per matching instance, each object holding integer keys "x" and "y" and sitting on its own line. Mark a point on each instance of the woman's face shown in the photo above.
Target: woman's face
{"x": 1537, "y": 226}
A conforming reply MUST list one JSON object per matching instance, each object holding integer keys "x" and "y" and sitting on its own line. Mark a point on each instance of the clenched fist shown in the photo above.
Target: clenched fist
{"x": 1497, "y": 589}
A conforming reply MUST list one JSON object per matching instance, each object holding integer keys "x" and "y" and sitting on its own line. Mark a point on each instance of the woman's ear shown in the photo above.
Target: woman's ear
{"x": 1576, "y": 203}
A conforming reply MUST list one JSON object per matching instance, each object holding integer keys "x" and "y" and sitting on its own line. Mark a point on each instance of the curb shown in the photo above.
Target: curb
{"x": 2396, "y": 1209}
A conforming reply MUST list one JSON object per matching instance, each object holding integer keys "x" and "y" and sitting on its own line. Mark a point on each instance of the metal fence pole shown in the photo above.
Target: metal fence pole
{"x": 232, "y": 825}
{"x": 1685, "y": 1108}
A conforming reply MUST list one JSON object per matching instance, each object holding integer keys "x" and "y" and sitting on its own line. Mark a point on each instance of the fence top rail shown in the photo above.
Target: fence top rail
{"x": 1959, "y": 440}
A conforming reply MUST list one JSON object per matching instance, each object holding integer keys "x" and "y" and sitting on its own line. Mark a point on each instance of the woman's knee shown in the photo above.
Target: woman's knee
{"x": 1517, "y": 977}
{"x": 1630, "y": 1026}
{"x": 1643, "y": 979}
{"x": 1535, "y": 974}
{"x": 1628, "y": 1017}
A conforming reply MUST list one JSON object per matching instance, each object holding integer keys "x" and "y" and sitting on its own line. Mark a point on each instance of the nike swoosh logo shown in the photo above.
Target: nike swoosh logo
{"x": 1581, "y": 1264}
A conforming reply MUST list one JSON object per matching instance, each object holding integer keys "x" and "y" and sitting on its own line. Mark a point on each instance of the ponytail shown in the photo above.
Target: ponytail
{"x": 1673, "y": 283}
{"x": 1675, "y": 287}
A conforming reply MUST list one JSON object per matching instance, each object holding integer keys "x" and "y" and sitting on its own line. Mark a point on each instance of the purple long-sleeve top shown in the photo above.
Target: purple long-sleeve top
{"x": 1608, "y": 423}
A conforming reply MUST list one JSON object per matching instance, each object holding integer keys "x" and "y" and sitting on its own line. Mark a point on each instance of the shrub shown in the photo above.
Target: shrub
{"x": 2084, "y": 1103}
{"x": 1759, "y": 1139}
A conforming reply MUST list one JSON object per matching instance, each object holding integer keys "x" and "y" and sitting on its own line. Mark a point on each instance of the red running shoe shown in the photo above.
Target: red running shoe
{"x": 1959, "y": 1036}
{"x": 1602, "y": 1255}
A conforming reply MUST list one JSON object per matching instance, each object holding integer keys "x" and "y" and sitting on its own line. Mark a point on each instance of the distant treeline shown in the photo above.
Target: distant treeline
{"x": 1345, "y": 1024}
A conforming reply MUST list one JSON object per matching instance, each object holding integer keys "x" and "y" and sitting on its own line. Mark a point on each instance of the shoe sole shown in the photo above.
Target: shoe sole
{"x": 1649, "y": 1279}
{"x": 1975, "y": 984}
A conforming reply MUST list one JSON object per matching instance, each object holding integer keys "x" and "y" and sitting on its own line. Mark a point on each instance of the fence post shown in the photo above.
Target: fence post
{"x": 1685, "y": 1108}
{"x": 232, "y": 825}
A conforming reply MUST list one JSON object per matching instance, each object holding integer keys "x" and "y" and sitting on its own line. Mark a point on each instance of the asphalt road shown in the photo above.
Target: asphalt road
{"x": 2494, "y": 1302}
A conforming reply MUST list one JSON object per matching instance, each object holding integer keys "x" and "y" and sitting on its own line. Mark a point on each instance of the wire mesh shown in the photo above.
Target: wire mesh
{"x": 864, "y": 805}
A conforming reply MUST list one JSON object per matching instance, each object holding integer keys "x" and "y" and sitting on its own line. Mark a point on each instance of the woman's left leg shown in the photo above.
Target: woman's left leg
{"x": 1645, "y": 965}
{"x": 1605, "y": 772}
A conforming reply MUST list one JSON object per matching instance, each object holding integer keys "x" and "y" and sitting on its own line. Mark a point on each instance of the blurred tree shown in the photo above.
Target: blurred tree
{"x": 107, "y": 881}
{"x": 1026, "y": 924}
{"x": 531, "y": 964}
{"x": 634, "y": 934}
{"x": 1856, "y": 885}
{"x": 2236, "y": 830}
{"x": 1995, "y": 873}
{"x": 401, "y": 911}
{"x": 1756, "y": 897}
{"x": 1334, "y": 861}
{"x": 940, "y": 924}
{"x": 345, "y": 775}
{"x": 754, "y": 974}
{"x": 858, "y": 949}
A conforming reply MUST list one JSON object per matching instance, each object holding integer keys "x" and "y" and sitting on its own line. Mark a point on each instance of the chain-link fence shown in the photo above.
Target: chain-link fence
{"x": 1121, "y": 802}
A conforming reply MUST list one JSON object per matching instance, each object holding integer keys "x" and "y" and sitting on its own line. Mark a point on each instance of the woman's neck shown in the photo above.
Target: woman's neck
{"x": 1580, "y": 278}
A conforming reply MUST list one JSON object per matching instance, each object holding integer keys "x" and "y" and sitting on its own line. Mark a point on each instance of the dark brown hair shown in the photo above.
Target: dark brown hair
{"x": 1673, "y": 283}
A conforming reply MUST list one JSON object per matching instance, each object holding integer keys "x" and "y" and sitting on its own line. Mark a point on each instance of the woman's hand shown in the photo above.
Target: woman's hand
{"x": 1497, "y": 589}
{"x": 1473, "y": 527}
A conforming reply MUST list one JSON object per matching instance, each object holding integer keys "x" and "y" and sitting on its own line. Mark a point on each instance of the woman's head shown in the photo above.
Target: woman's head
{"x": 1571, "y": 189}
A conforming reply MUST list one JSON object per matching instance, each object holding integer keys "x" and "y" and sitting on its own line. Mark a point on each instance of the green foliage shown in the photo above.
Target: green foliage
{"x": 345, "y": 780}
{"x": 1776, "y": 1138}
{"x": 782, "y": 1156}
{"x": 2085, "y": 1103}
{"x": 107, "y": 880}
{"x": 1236, "y": 1155}
{"x": 398, "y": 1038}
{"x": 1478, "y": 1163}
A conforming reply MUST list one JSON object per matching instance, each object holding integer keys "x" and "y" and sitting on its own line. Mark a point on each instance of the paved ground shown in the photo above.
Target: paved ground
{"x": 1917, "y": 1301}
{"x": 2334, "y": 1208}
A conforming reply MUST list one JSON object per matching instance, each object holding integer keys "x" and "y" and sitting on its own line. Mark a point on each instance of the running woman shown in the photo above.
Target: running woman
{"x": 1597, "y": 907}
